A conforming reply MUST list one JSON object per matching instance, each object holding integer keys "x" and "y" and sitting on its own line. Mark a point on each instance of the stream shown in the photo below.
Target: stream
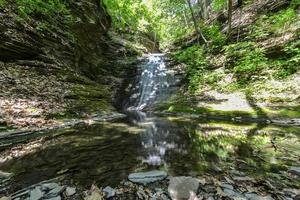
{"x": 106, "y": 152}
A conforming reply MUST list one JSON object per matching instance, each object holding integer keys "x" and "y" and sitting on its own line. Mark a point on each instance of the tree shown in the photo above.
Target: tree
{"x": 230, "y": 10}
{"x": 197, "y": 29}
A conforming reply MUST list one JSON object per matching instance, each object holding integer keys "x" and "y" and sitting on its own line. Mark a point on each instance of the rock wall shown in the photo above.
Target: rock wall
{"x": 51, "y": 68}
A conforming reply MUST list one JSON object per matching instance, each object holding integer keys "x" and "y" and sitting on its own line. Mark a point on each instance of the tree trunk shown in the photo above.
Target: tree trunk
{"x": 230, "y": 10}
{"x": 197, "y": 29}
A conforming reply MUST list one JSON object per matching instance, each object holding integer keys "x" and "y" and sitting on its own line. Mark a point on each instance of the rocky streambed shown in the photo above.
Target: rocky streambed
{"x": 157, "y": 185}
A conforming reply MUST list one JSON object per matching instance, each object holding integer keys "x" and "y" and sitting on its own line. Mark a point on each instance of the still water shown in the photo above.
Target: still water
{"x": 105, "y": 153}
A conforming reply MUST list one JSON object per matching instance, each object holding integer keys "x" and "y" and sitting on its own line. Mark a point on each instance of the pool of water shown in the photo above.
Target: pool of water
{"x": 106, "y": 153}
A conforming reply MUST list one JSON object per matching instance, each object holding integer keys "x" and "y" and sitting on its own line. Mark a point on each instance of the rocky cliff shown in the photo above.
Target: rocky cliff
{"x": 57, "y": 63}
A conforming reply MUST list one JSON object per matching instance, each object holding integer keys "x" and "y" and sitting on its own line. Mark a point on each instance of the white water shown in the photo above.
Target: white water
{"x": 153, "y": 85}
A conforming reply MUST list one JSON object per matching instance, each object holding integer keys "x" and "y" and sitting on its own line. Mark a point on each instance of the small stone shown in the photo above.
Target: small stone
{"x": 183, "y": 188}
{"x": 228, "y": 186}
{"x": 253, "y": 196}
{"x": 70, "y": 191}
{"x": 49, "y": 186}
{"x": 242, "y": 178}
{"x": 295, "y": 170}
{"x": 55, "y": 192}
{"x": 147, "y": 177}
{"x": 109, "y": 192}
{"x": 36, "y": 194}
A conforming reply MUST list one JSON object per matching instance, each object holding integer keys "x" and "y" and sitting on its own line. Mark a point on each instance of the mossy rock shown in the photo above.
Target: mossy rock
{"x": 89, "y": 92}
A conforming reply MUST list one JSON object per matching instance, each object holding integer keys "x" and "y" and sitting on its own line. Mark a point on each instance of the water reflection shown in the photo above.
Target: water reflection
{"x": 106, "y": 154}
{"x": 158, "y": 138}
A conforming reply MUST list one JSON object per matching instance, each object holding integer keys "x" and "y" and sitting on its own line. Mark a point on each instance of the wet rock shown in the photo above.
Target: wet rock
{"x": 49, "y": 186}
{"x": 109, "y": 192}
{"x": 183, "y": 188}
{"x": 295, "y": 170}
{"x": 254, "y": 196}
{"x": 55, "y": 192}
{"x": 297, "y": 197}
{"x": 36, "y": 194}
{"x": 243, "y": 178}
{"x": 231, "y": 193}
{"x": 70, "y": 191}
{"x": 228, "y": 186}
{"x": 4, "y": 175}
{"x": 147, "y": 177}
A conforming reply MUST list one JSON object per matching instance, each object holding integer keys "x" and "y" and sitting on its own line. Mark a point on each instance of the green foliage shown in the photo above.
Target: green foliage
{"x": 214, "y": 35}
{"x": 250, "y": 65}
{"x": 53, "y": 9}
{"x": 218, "y": 4}
{"x": 2, "y": 3}
{"x": 246, "y": 61}
{"x": 295, "y": 3}
{"x": 132, "y": 15}
{"x": 195, "y": 59}
{"x": 267, "y": 25}
{"x": 289, "y": 64}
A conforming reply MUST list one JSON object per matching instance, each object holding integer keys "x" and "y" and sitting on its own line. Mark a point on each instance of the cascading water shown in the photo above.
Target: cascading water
{"x": 154, "y": 84}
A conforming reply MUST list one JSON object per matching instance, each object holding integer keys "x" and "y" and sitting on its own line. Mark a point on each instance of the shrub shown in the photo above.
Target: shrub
{"x": 267, "y": 25}
{"x": 195, "y": 59}
{"x": 245, "y": 60}
{"x": 51, "y": 9}
{"x": 214, "y": 35}
{"x": 2, "y": 3}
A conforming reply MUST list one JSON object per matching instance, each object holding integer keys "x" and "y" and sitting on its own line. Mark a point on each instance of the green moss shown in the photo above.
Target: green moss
{"x": 95, "y": 91}
{"x": 283, "y": 111}
{"x": 185, "y": 108}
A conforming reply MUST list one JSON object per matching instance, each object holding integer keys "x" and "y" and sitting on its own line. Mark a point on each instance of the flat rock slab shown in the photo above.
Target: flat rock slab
{"x": 147, "y": 177}
{"x": 183, "y": 188}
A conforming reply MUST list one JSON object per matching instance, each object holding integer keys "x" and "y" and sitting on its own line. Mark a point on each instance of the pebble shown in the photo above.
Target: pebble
{"x": 228, "y": 186}
{"x": 70, "y": 191}
{"x": 110, "y": 192}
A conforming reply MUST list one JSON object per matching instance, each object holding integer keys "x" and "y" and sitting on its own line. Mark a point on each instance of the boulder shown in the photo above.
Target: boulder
{"x": 183, "y": 188}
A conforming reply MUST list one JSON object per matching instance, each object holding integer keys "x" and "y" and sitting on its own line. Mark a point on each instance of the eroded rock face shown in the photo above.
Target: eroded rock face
{"x": 73, "y": 64}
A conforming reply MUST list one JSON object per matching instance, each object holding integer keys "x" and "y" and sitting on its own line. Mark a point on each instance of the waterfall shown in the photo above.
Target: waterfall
{"x": 152, "y": 84}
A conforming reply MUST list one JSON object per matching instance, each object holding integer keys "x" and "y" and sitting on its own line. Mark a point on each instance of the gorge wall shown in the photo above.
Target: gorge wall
{"x": 58, "y": 63}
